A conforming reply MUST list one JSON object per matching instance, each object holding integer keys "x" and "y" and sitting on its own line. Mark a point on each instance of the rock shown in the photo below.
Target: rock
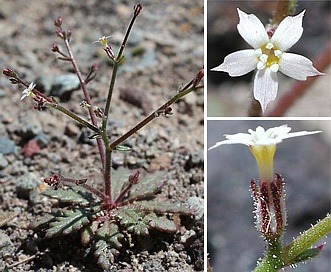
{"x": 137, "y": 98}
{"x": 44, "y": 84}
{"x": 26, "y": 186}
{"x": 71, "y": 130}
{"x": 7, "y": 146}
{"x": 3, "y": 162}
{"x": 64, "y": 85}
{"x": 6, "y": 246}
{"x": 30, "y": 149}
{"x": 197, "y": 205}
{"x": 162, "y": 162}
{"x": 30, "y": 127}
{"x": 195, "y": 160}
{"x": 41, "y": 139}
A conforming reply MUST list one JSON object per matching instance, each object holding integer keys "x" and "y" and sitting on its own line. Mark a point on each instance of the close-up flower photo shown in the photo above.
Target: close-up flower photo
{"x": 287, "y": 53}
{"x": 269, "y": 195}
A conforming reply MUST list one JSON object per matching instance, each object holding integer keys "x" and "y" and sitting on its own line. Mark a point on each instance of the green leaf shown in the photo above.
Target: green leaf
{"x": 88, "y": 232}
{"x": 133, "y": 221}
{"x": 164, "y": 207}
{"x": 108, "y": 244}
{"x": 44, "y": 220}
{"x": 70, "y": 196}
{"x": 147, "y": 186}
{"x": 161, "y": 223}
{"x": 72, "y": 220}
{"x": 120, "y": 178}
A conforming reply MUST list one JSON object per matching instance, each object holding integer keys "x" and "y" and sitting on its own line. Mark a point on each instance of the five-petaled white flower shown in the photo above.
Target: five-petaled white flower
{"x": 29, "y": 91}
{"x": 262, "y": 144}
{"x": 268, "y": 56}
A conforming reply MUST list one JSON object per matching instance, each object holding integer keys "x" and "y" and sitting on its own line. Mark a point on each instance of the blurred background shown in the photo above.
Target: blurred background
{"x": 234, "y": 244}
{"x": 231, "y": 96}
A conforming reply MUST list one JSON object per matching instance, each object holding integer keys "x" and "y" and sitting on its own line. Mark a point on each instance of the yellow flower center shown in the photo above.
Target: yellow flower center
{"x": 268, "y": 56}
{"x": 264, "y": 155}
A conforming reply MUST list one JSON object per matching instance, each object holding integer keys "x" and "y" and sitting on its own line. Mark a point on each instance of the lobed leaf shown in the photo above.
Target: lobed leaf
{"x": 44, "y": 220}
{"x": 120, "y": 178}
{"x": 165, "y": 207}
{"x": 70, "y": 196}
{"x": 133, "y": 221}
{"x": 160, "y": 222}
{"x": 72, "y": 220}
{"x": 147, "y": 186}
{"x": 108, "y": 244}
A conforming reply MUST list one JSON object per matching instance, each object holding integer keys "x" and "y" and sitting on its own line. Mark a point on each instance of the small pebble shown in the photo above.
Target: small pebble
{"x": 7, "y": 146}
{"x": 3, "y": 162}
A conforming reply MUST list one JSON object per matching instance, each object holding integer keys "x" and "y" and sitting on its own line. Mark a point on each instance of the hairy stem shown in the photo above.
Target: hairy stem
{"x": 307, "y": 239}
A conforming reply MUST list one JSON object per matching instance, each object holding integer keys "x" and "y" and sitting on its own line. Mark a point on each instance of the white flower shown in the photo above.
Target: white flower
{"x": 29, "y": 91}
{"x": 103, "y": 40}
{"x": 271, "y": 136}
{"x": 268, "y": 56}
{"x": 262, "y": 144}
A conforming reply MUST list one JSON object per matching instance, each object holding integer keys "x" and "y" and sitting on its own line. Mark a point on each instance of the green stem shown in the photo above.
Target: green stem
{"x": 273, "y": 261}
{"x": 75, "y": 117}
{"x": 297, "y": 247}
{"x": 108, "y": 155}
{"x": 307, "y": 239}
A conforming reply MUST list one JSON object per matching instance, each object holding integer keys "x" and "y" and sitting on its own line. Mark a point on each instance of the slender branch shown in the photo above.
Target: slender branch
{"x": 118, "y": 59}
{"x": 87, "y": 98}
{"x": 300, "y": 87}
{"x": 108, "y": 155}
{"x": 74, "y": 116}
{"x": 307, "y": 239}
{"x": 82, "y": 183}
{"x": 164, "y": 109}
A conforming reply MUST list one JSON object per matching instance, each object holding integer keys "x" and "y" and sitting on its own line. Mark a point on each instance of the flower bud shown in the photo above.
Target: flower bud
{"x": 58, "y": 21}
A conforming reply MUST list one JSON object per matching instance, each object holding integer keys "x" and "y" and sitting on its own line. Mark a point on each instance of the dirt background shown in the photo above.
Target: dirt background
{"x": 231, "y": 96}
{"x": 165, "y": 50}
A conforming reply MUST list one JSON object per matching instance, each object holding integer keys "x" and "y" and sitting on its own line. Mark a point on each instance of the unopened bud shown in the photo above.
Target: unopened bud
{"x": 69, "y": 32}
{"x": 137, "y": 8}
{"x": 55, "y": 48}
{"x": 133, "y": 179}
{"x": 9, "y": 72}
{"x": 58, "y": 21}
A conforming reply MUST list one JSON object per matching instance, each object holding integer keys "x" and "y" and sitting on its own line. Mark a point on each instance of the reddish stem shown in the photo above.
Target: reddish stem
{"x": 88, "y": 100}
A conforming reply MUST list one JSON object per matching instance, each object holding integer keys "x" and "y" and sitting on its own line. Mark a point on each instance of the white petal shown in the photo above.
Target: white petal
{"x": 265, "y": 87}
{"x": 238, "y": 63}
{"x": 251, "y": 29}
{"x": 297, "y": 66}
{"x": 299, "y": 133}
{"x": 239, "y": 138}
{"x": 288, "y": 32}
